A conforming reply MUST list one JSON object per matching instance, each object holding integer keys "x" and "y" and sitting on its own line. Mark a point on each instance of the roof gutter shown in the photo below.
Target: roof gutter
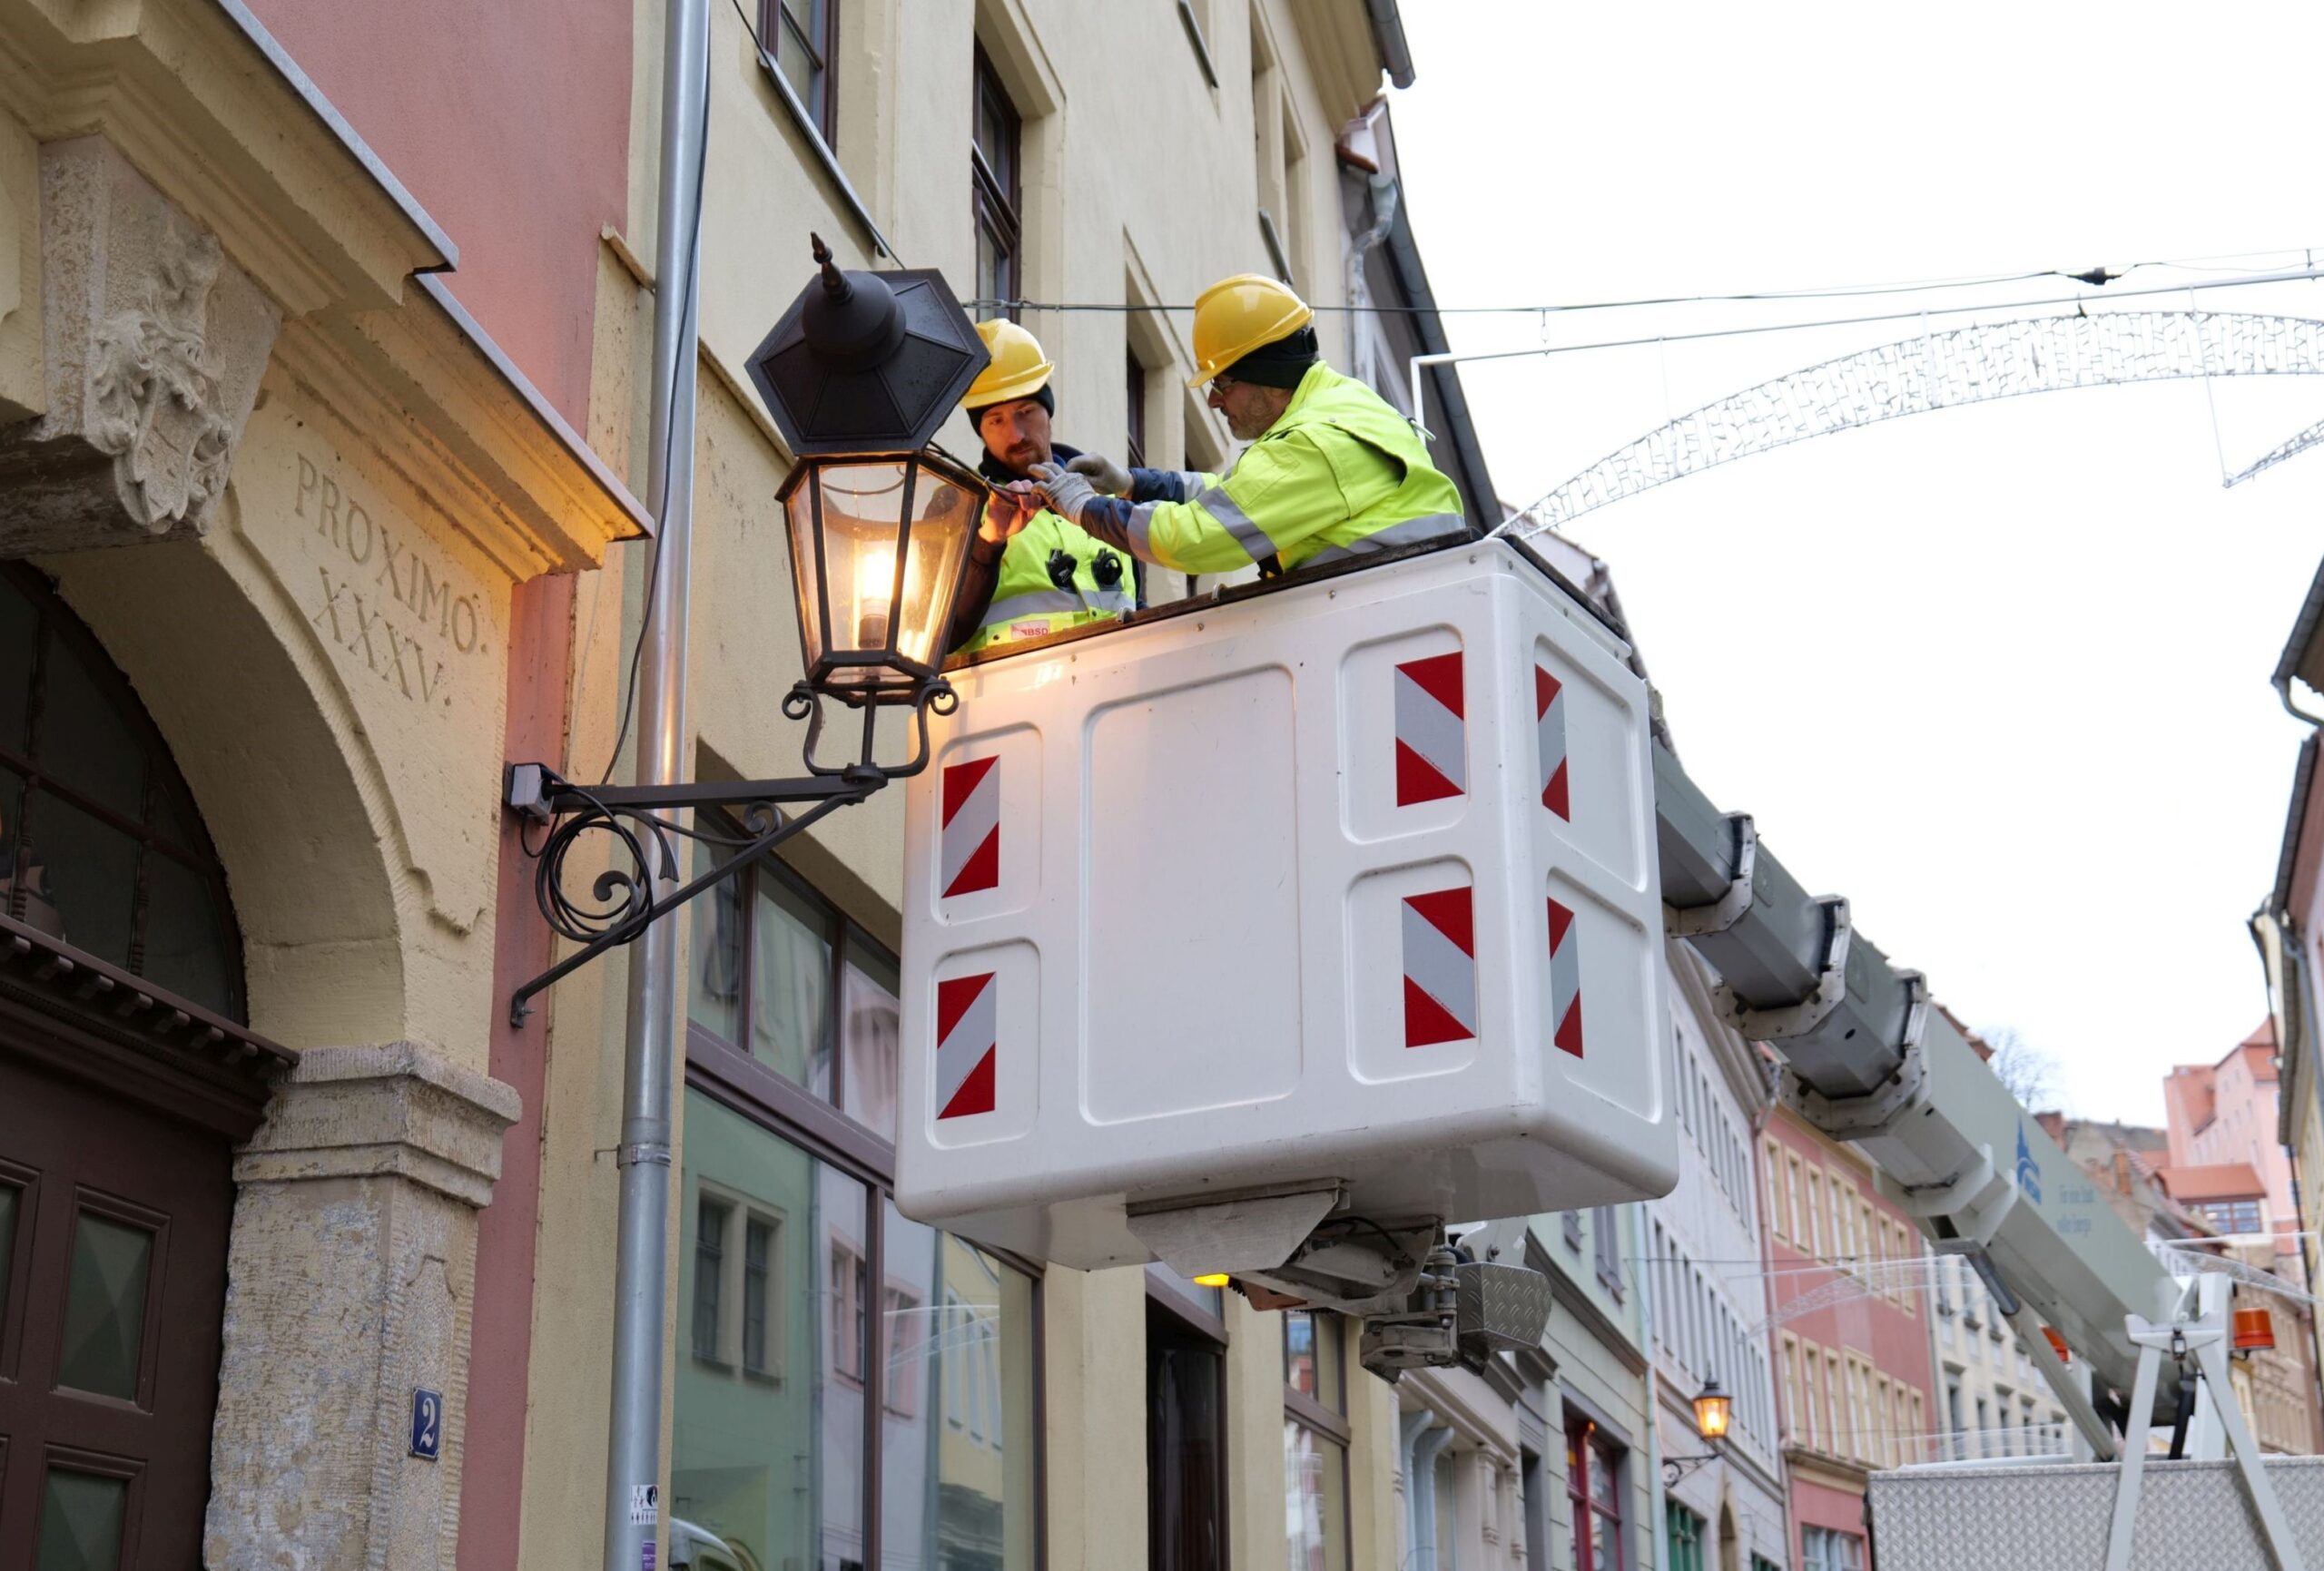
{"x": 2304, "y": 633}
{"x": 2275, "y": 929}
{"x": 1388, "y": 38}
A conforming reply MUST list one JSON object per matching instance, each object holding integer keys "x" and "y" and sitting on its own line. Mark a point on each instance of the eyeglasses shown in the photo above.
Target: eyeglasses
{"x": 1223, "y": 384}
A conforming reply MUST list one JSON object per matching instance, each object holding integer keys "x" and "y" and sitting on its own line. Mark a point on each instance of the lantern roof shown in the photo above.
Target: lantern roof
{"x": 865, "y": 362}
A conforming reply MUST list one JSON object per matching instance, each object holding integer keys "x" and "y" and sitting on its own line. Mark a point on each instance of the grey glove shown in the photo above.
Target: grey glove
{"x": 1067, "y": 492}
{"x": 1109, "y": 477}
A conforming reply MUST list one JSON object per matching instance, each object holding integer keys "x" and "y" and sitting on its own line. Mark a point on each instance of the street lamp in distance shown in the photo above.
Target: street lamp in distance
{"x": 1714, "y": 1408}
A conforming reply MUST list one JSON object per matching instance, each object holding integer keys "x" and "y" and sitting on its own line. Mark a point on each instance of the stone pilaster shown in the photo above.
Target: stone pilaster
{"x": 348, "y": 1287}
{"x": 154, "y": 342}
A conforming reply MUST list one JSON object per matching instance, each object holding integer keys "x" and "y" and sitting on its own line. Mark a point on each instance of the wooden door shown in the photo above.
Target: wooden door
{"x": 113, "y": 1277}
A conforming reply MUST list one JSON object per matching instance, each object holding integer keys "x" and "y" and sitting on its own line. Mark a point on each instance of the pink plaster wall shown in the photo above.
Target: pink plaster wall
{"x": 500, "y": 1339}
{"x": 508, "y": 120}
{"x": 2242, "y": 1103}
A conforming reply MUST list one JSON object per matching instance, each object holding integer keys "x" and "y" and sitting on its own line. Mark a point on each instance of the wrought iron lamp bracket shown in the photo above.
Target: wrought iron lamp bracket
{"x": 1676, "y": 1468}
{"x": 623, "y": 903}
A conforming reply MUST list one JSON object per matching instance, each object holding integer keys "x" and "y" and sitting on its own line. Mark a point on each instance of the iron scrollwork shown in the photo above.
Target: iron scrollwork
{"x": 622, "y": 901}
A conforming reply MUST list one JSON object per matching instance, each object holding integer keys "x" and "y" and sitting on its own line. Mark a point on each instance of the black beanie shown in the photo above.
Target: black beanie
{"x": 1040, "y": 395}
{"x": 1281, "y": 364}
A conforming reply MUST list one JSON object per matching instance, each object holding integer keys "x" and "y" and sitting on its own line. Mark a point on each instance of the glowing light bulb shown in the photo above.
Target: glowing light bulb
{"x": 875, "y": 584}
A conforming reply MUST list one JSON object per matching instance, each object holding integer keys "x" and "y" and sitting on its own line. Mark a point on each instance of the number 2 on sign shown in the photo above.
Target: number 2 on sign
{"x": 427, "y": 1424}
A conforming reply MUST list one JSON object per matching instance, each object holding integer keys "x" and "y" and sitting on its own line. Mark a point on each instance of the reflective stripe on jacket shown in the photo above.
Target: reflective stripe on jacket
{"x": 1339, "y": 474}
{"x": 1027, "y": 602}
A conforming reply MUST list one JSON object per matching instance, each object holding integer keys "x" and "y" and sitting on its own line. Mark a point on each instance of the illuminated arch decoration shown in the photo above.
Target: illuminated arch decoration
{"x": 1943, "y": 370}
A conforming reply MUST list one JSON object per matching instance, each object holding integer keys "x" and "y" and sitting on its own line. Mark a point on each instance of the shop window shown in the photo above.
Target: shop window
{"x": 780, "y": 979}
{"x": 1684, "y": 1528}
{"x": 861, "y": 1389}
{"x": 1593, "y": 1485}
{"x": 100, "y": 846}
{"x": 1315, "y": 1439}
{"x": 1186, "y": 1430}
{"x": 1825, "y": 1549}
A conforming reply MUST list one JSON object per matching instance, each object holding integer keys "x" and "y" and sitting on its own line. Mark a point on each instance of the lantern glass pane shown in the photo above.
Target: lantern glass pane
{"x": 805, "y": 579}
{"x": 871, "y": 608}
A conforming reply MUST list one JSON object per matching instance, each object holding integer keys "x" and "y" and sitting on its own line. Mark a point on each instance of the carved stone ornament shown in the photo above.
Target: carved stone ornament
{"x": 155, "y": 343}
{"x": 155, "y": 402}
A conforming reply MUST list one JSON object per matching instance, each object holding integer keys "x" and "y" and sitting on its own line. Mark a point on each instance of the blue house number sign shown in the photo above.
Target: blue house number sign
{"x": 427, "y": 1424}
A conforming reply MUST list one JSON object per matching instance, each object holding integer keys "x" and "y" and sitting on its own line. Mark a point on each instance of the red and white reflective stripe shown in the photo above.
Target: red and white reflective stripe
{"x": 967, "y": 1045}
{"x": 1548, "y": 721}
{"x": 1565, "y": 980}
{"x": 1432, "y": 737}
{"x": 970, "y": 840}
{"x": 1440, "y": 967}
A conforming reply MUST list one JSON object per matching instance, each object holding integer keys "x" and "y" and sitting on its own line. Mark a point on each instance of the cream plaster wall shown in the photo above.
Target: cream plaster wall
{"x": 1140, "y": 183}
{"x": 24, "y": 381}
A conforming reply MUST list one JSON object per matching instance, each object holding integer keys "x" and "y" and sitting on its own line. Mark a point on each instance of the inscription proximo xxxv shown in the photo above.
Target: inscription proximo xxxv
{"x": 386, "y": 603}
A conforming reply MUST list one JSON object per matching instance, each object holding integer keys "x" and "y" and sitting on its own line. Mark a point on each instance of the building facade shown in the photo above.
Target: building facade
{"x": 2289, "y": 928}
{"x": 1593, "y": 1502}
{"x": 324, "y": 349}
{"x": 1848, "y": 1335}
{"x": 293, "y": 523}
{"x": 1991, "y": 1399}
{"x": 1708, "y": 1298}
{"x": 2226, "y": 1115}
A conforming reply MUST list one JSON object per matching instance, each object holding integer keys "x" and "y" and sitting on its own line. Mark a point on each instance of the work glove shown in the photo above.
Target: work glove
{"x": 1109, "y": 477}
{"x": 1067, "y": 492}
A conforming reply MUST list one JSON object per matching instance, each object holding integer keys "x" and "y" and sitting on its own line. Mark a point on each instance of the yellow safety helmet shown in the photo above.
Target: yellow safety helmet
{"x": 1016, "y": 371}
{"x": 1234, "y": 316}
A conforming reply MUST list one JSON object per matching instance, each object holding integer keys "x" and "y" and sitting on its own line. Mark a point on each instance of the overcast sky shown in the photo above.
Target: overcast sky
{"x": 1998, "y": 674}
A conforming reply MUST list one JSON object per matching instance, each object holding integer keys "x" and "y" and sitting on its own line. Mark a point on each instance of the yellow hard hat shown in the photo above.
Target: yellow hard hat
{"x": 1018, "y": 369}
{"x": 1234, "y": 316}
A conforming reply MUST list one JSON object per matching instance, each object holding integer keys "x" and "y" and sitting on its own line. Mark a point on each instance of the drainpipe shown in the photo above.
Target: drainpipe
{"x": 1410, "y": 1426}
{"x": 1421, "y": 1445}
{"x": 1653, "y": 1394}
{"x": 633, "y": 1458}
{"x": 1384, "y": 192}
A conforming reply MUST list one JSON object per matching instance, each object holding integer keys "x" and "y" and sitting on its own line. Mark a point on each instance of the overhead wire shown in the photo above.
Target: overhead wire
{"x": 2096, "y": 277}
{"x": 1917, "y": 313}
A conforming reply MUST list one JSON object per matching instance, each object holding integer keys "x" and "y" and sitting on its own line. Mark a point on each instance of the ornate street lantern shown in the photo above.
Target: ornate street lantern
{"x": 1713, "y": 1407}
{"x": 859, "y": 374}
{"x": 877, "y": 548}
{"x": 1713, "y": 1410}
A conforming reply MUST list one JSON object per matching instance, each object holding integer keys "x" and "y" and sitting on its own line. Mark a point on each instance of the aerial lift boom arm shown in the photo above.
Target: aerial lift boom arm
{"x": 1868, "y": 1060}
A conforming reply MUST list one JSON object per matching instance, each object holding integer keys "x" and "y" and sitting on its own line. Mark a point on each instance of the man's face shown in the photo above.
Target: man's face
{"x": 1250, "y": 409}
{"x": 1017, "y": 433}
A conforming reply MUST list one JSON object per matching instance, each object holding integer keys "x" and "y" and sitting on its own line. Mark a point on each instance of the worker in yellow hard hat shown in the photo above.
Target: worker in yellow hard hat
{"x": 1047, "y": 575}
{"x": 1333, "y": 470}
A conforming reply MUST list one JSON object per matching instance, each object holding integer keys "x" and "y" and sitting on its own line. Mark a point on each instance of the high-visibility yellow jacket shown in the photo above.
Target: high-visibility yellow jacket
{"x": 1027, "y": 602}
{"x": 1342, "y": 473}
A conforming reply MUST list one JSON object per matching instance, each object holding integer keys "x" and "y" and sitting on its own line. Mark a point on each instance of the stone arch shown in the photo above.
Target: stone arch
{"x": 1730, "y": 1540}
{"x": 272, "y": 773}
